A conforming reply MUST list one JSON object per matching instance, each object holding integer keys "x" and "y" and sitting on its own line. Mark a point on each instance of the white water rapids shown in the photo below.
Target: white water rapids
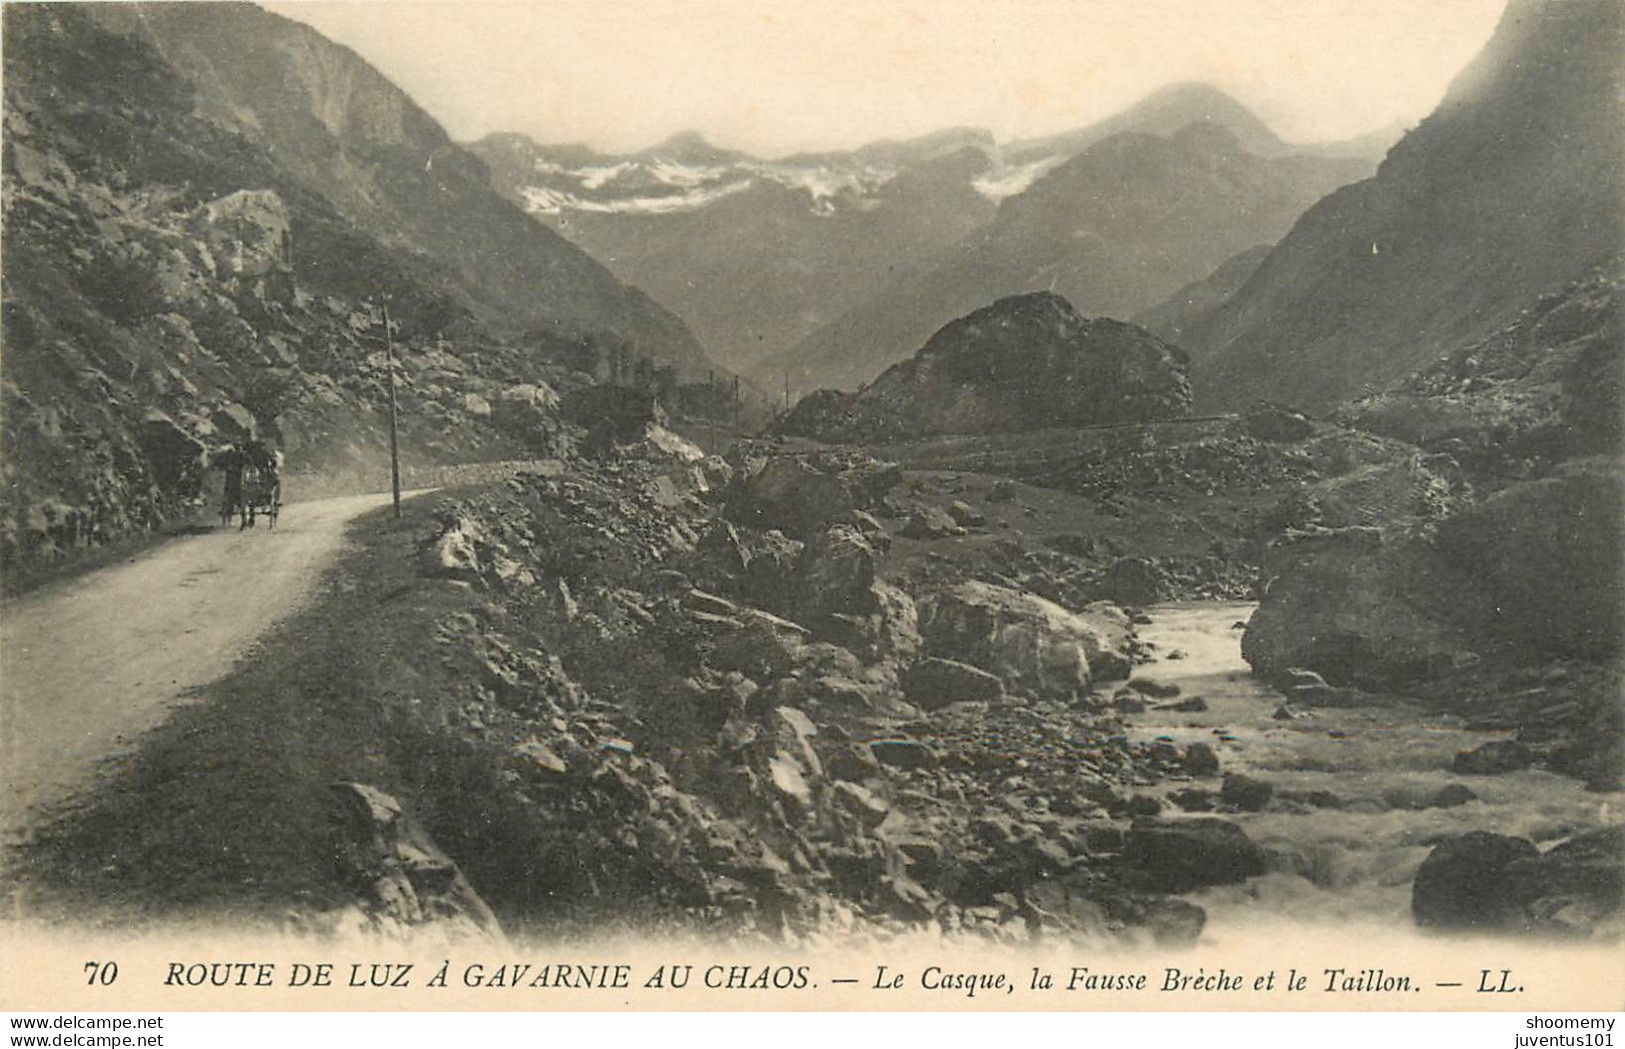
{"x": 1352, "y": 865}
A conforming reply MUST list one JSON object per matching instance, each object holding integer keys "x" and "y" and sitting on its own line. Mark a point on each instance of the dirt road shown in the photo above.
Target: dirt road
{"x": 86, "y": 667}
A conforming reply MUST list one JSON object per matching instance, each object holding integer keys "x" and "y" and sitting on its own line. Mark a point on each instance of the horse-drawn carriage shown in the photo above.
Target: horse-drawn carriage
{"x": 253, "y": 486}
{"x": 261, "y": 494}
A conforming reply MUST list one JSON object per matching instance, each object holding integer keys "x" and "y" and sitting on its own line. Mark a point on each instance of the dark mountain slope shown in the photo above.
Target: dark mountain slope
{"x": 343, "y": 130}
{"x": 1513, "y": 187}
{"x": 1545, "y": 389}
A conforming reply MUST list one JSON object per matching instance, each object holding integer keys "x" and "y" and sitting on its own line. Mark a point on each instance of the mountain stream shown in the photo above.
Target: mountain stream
{"x": 1352, "y": 864}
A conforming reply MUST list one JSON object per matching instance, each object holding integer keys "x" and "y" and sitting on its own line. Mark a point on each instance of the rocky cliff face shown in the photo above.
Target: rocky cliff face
{"x": 1521, "y": 562}
{"x": 1510, "y": 189}
{"x": 344, "y": 131}
{"x": 176, "y": 278}
{"x": 1024, "y": 363}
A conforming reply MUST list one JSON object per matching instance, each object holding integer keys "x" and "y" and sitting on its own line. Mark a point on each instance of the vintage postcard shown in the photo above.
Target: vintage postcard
{"x": 1049, "y": 505}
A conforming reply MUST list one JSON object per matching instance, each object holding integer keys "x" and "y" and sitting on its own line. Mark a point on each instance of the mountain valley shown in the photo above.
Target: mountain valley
{"x": 1166, "y": 531}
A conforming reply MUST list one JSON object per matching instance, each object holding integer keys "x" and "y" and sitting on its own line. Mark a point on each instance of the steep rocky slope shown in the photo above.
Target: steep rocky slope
{"x": 1024, "y": 363}
{"x": 172, "y": 283}
{"x": 1115, "y": 230}
{"x": 344, "y": 131}
{"x": 1510, "y": 189}
{"x": 1175, "y": 317}
{"x": 1544, "y": 389}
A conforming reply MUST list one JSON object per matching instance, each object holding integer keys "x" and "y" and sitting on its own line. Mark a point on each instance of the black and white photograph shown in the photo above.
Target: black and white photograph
{"x": 1033, "y": 505}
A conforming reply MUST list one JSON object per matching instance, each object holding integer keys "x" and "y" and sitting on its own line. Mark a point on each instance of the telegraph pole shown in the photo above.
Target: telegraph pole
{"x": 394, "y": 436}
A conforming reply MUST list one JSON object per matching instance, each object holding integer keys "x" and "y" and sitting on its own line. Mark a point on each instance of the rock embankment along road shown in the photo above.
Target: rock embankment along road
{"x": 88, "y": 666}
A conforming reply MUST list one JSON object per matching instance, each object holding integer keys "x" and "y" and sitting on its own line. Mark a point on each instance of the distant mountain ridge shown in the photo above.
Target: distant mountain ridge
{"x": 1510, "y": 190}
{"x": 1115, "y": 230}
{"x": 757, "y": 255}
{"x": 1163, "y": 112}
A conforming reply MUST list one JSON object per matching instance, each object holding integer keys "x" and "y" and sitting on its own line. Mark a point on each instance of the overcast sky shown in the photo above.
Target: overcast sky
{"x": 779, "y": 77}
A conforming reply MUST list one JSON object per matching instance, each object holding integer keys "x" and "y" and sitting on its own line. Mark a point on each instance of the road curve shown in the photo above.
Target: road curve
{"x": 87, "y": 667}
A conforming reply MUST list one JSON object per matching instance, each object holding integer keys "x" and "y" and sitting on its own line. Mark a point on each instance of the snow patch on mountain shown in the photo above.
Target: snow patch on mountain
{"x": 599, "y": 177}
{"x": 828, "y": 183}
{"x": 545, "y": 200}
{"x": 664, "y": 186}
{"x": 1005, "y": 181}
{"x": 685, "y": 176}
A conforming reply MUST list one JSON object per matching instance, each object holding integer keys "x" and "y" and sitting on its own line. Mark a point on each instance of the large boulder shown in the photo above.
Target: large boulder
{"x": 612, "y": 414}
{"x": 530, "y": 412}
{"x": 931, "y": 522}
{"x": 232, "y": 420}
{"x": 932, "y": 683}
{"x": 1026, "y": 362}
{"x": 405, "y": 884}
{"x": 246, "y": 232}
{"x": 177, "y": 457}
{"x": 1532, "y": 572}
{"x": 1550, "y": 555}
{"x": 1492, "y": 882}
{"x": 790, "y": 495}
{"x": 836, "y": 574}
{"x": 890, "y": 633}
{"x": 758, "y": 645}
{"x": 1577, "y": 886}
{"x": 1185, "y": 855}
{"x": 770, "y": 570}
{"x": 1464, "y": 883}
{"x": 1360, "y": 609}
{"x": 720, "y": 558}
{"x": 1134, "y": 581}
{"x": 1032, "y": 644}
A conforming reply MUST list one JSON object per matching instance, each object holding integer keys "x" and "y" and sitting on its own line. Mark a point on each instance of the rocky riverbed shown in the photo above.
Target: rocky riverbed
{"x": 1350, "y": 793}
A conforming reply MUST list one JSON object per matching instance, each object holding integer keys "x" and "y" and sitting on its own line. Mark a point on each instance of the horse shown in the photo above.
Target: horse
{"x": 233, "y": 463}
{"x": 253, "y": 484}
{"x": 261, "y": 493}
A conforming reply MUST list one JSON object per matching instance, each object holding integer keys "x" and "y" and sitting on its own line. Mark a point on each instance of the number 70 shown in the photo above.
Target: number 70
{"x": 103, "y": 973}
